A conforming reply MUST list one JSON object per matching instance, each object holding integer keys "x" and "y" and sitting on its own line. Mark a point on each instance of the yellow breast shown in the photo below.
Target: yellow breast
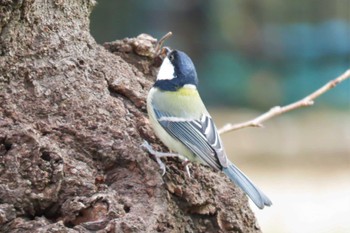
{"x": 186, "y": 91}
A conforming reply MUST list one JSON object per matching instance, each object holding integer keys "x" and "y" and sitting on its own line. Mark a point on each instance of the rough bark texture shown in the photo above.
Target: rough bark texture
{"x": 72, "y": 119}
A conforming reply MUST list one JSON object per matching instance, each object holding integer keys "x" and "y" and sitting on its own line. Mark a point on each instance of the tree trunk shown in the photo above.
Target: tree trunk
{"x": 72, "y": 121}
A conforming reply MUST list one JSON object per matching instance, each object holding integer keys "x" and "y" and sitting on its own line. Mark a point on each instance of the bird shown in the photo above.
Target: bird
{"x": 181, "y": 121}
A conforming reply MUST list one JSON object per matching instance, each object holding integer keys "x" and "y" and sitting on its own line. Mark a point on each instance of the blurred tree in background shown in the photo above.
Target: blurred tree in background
{"x": 248, "y": 53}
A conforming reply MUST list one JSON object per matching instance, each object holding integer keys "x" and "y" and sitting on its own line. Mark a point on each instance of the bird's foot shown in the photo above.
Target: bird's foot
{"x": 158, "y": 155}
{"x": 187, "y": 164}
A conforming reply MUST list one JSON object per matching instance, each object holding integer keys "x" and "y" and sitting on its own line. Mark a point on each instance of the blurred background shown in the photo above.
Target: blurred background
{"x": 250, "y": 56}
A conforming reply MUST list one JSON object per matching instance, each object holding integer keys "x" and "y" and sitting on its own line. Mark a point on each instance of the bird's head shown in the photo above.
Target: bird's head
{"x": 176, "y": 71}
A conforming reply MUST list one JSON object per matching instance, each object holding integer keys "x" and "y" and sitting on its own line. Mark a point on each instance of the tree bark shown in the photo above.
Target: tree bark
{"x": 72, "y": 121}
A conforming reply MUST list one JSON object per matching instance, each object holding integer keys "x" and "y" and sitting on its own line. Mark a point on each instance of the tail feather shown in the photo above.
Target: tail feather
{"x": 236, "y": 176}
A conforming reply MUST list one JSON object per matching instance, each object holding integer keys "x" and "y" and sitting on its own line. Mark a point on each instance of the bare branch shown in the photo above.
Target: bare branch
{"x": 160, "y": 43}
{"x": 275, "y": 111}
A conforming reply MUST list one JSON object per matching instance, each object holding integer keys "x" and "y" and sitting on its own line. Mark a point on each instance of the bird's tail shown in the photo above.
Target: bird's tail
{"x": 236, "y": 176}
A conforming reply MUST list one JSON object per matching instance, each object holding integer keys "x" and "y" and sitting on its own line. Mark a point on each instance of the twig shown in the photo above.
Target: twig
{"x": 160, "y": 43}
{"x": 307, "y": 101}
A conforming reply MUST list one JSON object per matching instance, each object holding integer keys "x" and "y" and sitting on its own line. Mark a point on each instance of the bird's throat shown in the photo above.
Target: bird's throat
{"x": 188, "y": 91}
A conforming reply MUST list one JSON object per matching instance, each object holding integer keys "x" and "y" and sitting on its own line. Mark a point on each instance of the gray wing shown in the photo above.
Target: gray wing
{"x": 200, "y": 136}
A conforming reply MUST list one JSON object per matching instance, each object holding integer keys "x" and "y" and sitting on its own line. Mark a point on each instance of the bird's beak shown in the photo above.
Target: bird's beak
{"x": 164, "y": 52}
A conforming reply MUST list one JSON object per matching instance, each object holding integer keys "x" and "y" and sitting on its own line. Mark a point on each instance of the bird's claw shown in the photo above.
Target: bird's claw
{"x": 158, "y": 155}
{"x": 161, "y": 165}
{"x": 187, "y": 164}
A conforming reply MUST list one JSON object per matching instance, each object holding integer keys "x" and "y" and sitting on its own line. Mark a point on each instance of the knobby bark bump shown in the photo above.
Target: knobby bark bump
{"x": 72, "y": 121}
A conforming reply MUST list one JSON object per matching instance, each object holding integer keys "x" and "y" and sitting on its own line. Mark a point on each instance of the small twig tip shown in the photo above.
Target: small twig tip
{"x": 160, "y": 43}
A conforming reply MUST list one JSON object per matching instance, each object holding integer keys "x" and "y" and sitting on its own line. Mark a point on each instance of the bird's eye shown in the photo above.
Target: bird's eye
{"x": 171, "y": 57}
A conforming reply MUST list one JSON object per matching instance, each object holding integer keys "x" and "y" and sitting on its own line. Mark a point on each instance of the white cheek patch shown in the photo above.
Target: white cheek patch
{"x": 166, "y": 71}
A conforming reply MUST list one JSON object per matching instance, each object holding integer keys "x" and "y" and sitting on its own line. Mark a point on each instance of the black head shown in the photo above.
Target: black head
{"x": 176, "y": 71}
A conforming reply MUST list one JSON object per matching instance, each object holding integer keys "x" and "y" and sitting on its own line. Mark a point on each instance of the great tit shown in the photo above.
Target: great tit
{"x": 182, "y": 122}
